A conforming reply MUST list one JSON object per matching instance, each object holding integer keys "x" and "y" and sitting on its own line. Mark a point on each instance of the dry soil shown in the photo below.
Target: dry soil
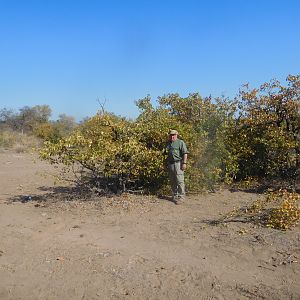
{"x": 54, "y": 245}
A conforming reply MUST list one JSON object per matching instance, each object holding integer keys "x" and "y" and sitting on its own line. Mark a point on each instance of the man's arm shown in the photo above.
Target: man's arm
{"x": 184, "y": 161}
{"x": 184, "y": 154}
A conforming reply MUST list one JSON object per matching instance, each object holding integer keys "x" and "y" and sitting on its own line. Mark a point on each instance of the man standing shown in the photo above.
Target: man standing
{"x": 176, "y": 160}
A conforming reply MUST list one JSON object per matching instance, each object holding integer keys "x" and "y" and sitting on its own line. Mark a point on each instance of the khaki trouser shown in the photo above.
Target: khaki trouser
{"x": 176, "y": 176}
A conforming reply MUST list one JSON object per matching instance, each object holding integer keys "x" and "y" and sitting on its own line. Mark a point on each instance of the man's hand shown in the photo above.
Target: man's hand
{"x": 183, "y": 162}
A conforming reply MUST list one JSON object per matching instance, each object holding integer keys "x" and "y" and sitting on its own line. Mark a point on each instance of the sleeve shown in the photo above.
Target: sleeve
{"x": 184, "y": 149}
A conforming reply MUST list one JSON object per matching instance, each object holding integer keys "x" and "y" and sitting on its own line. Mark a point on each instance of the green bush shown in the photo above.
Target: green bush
{"x": 265, "y": 140}
{"x": 256, "y": 135}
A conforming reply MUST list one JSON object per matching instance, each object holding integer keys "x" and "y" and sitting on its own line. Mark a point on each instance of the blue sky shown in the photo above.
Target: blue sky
{"x": 68, "y": 54}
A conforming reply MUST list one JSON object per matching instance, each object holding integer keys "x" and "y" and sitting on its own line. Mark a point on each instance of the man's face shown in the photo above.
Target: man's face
{"x": 173, "y": 137}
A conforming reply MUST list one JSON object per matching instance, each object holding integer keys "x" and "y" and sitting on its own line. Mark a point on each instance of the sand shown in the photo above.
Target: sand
{"x": 54, "y": 245}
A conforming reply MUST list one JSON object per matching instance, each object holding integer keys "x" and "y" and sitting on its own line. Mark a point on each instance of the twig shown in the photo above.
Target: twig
{"x": 266, "y": 268}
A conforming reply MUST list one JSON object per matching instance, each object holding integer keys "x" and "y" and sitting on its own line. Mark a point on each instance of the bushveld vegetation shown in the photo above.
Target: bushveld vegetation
{"x": 252, "y": 138}
{"x": 27, "y": 128}
{"x": 256, "y": 135}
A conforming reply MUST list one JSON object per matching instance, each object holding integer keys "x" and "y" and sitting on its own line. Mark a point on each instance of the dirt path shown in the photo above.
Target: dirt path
{"x": 139, "y": 248}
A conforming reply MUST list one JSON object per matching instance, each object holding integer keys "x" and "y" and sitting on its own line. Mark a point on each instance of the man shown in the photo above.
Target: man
{"x": 177, "y": 159}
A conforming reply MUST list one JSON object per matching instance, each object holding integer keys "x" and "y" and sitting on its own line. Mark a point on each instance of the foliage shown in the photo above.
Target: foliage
{"x": 47, "y": 132}
{"x": 36, "y": 121}
{"x": 124, "y": 154}
{"x": 254, "y": 136}
{"x": 55, "y": 130}
{"x": 27, "y": 119}
{"x": 210, "y": 119}
{"x": 65, "y": 124}
{"x": 109, "y": 147}
{"x": 276, "y": 209}
{"x": 30, "y": 117}
{"x": 287, "y": 213}
{"x": 265, "y": 140}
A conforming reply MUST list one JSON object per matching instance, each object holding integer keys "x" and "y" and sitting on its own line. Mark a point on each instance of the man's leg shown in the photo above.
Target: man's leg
{"x": 180, "y": 182}
{"x": 173, "y": 180}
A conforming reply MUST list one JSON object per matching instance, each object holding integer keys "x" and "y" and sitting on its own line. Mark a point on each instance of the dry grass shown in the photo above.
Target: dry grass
{"x": 18, "y": 142}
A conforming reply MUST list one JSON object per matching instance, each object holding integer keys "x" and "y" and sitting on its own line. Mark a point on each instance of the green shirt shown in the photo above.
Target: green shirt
{"x": 176, "y": 150}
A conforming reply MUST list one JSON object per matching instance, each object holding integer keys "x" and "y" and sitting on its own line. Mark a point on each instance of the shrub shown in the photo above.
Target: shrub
{"x": 277, "y": 209}
{"x": 265, "y": 140}
{"x": 287, "y": 213}
{"x": 255, "y": 136}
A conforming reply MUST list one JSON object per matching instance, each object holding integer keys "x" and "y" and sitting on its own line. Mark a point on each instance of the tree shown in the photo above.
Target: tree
{"x": 130, "y": 154}
{"x": 256, "y": 134}
{"x": 8, "y": 118}
{"x": 65, "y": 124}
{"x": 29, "y": 118}
{"x": 266, "y": 138}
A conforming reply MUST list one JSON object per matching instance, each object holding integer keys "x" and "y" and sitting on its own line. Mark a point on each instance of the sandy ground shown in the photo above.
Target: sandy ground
{"x": 133, "y": 247}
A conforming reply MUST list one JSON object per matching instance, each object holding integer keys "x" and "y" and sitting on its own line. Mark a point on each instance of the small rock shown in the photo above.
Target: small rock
{"x": 61, "y": 258}
{"x": 104, "y": 254}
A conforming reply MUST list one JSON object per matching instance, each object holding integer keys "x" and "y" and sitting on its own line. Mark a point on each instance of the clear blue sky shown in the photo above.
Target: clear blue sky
{"x": 67, "y": 53}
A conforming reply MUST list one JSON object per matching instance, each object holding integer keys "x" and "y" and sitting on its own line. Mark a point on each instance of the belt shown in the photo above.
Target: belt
{"x": 173, "y": 162}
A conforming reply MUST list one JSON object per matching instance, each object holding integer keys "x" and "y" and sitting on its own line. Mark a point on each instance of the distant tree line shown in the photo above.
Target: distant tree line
{"x": 36, "y": 121}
